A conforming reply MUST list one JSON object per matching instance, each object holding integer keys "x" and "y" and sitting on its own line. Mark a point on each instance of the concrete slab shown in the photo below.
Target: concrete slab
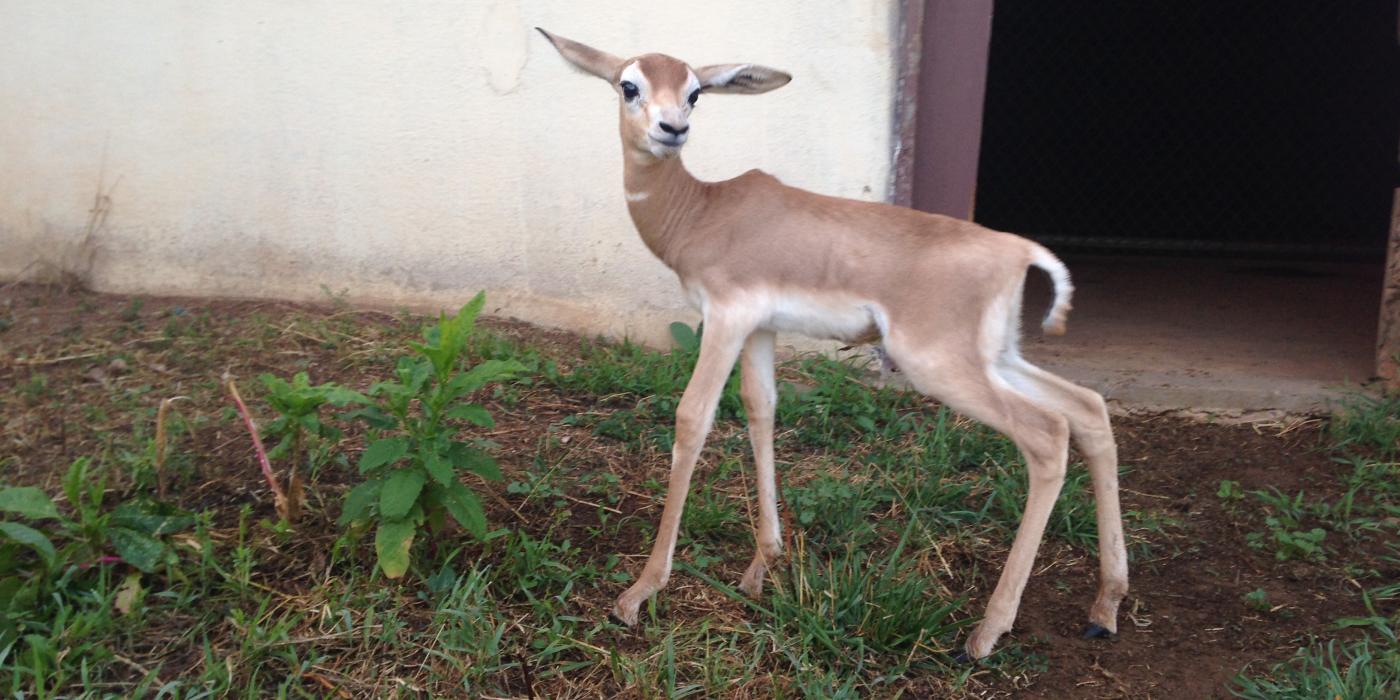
{"x": 1213, "y": 335}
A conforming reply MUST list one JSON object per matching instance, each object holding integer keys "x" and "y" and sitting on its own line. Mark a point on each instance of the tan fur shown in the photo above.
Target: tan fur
{"x": 941, "y": 294}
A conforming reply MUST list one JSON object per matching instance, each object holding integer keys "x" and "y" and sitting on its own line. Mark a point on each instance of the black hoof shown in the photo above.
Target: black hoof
{"x": 962, "y": 659}
{"x": 613, "y": 618}
{"x": 1097, "y": 631}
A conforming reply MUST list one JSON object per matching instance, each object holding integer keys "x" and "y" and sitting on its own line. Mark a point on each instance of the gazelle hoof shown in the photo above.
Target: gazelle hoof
{"x": 622, "y": 615}
{"x": 1097, "y": 631}
{"x": 962, "y": 659}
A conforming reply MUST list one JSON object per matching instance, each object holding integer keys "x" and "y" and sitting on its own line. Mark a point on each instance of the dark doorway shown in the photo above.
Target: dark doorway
{"x": 1249, "y": 128}
{"x": 1218, "y": 174}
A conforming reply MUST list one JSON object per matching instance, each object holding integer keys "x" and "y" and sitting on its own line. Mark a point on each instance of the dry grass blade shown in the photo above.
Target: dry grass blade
{"x": 161, "y": 433}
{"x": 327, "y": 684}
{"x": 285, "y": 509}
{"x": 56, "y": 360}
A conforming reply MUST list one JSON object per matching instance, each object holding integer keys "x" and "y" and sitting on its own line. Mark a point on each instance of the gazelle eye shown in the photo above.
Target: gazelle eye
{"x": 694, "y": 96}
{"x": 629, "y": 91}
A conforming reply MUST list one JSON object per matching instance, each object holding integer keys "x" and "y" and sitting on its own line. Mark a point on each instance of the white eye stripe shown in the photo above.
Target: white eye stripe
{"x": 692, "y": 86}
{"x": 633, "y": 74}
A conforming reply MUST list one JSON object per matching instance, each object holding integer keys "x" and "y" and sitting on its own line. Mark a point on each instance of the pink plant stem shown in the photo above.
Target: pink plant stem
{"x": 257, "y": 443}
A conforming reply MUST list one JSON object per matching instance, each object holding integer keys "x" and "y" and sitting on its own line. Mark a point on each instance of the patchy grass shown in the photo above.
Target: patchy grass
{"x": 1368, "y": 423}
{"x": 1360, "y": 670}
{"x": 1365, "y": 440}
{"x": 897, "y": 515}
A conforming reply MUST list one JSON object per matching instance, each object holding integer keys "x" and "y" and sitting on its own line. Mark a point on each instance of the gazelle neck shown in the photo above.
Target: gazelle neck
{"x": 663, "y": 199}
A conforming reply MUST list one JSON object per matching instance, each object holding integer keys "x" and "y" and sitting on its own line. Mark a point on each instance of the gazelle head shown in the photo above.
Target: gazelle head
{"x": 658, "y": 92}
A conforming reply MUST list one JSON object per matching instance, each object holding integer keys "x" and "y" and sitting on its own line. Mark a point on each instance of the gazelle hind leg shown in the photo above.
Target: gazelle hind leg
{"x": 760, "y": 396}
{"x": 719, "y": 349}
{"x": 1041, "y": 434}
{"x": 1093, "y": 435}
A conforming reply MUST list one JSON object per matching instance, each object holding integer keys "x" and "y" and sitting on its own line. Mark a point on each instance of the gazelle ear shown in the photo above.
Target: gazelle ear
{"x": 741, "y": 78}
{"x": 585, "y": 58}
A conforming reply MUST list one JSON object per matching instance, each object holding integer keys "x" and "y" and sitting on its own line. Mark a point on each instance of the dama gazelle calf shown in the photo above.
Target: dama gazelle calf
{"x": 942, "y": 296}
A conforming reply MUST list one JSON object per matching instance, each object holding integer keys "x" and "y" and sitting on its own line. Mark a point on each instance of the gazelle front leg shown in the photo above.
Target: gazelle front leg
{"x": 719, "y": 349}
{"x": 760, "y": 399}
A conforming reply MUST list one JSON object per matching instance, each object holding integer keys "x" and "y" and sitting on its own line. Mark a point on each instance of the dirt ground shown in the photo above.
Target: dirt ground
{"x": 1184, "y": 630}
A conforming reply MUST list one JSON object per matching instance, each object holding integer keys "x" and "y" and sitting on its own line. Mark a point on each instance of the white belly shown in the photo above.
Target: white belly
{"x": 813, "y": 314}
{"x": 816, "y": 315}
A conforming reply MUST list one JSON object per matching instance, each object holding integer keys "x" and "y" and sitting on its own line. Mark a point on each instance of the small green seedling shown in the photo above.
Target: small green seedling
{"x": 1229, "y": 491}
{"x": 1257, "y": 600}
{"x": 298, "y": 430}
{"x": 413, "y": 460}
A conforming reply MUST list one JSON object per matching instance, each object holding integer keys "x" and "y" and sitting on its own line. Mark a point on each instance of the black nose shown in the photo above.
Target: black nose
{"x": 673, "y": 130}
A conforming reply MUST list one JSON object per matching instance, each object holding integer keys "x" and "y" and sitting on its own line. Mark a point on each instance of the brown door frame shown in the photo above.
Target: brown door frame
{"x": 909, "y": 22}
{"x": 942, "y": 57}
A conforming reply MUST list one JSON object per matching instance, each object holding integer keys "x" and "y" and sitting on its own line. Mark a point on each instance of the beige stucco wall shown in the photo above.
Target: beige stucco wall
{"x": 404, "y": 153}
